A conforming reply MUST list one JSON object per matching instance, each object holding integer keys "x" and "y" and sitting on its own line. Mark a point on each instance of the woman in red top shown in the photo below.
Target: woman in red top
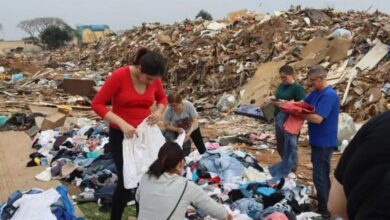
{"x": 132, "y": 90}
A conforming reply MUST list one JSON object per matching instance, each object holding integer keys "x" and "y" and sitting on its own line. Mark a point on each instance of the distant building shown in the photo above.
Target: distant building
{"x": 92, "y": 33}
{"x": 18, "y": 46}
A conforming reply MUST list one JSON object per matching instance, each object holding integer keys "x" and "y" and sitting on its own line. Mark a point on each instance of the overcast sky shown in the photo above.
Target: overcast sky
{"x": 123, "y": 14}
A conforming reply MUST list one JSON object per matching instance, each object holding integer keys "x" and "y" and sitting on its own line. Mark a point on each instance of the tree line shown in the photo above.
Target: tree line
{"x": 48, "y": 32}
{"x": 51, "y": 32}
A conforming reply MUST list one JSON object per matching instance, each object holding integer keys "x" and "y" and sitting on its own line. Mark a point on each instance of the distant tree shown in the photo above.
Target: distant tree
{"x": 35, "y": 27}
{"x": 204, "y": 15}
{"x": 54, "y": 37}
{"x": 30, "y": 39}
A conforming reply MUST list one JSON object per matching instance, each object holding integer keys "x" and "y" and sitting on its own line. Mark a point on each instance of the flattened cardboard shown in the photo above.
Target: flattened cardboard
{"x": 51, "y": 122}
{"x": 320, "y": 48}
{"x": 258, "y": 88}
{"x": 79, "y": 87}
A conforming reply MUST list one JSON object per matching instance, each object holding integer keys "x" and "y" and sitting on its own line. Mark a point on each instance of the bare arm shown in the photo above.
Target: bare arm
{"x": 114, "y": 118}
{"x": 157, "y": 115}
{"x": 171, "y": 127}
{"x": 337, "y": 203}
{"x": 194, "y": 125}
{"x": 128, "y": 130}
{"x": 313, "y": 118}
{"x": 161, "y": 108}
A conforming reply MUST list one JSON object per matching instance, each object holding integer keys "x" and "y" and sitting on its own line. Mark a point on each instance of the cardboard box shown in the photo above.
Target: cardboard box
{"x": 50, "y": 122}
{"x": 53, "y": 118}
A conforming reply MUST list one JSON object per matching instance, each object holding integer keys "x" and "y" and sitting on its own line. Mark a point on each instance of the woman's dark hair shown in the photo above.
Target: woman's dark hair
{"x": 174, "y": 98}
{"x": 286, "y": 69}
{"x": 151, "y": 62}
{"x": 169, "y": 156}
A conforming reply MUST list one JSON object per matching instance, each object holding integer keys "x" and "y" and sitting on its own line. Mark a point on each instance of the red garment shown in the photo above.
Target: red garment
{"x": 294, "y": 121}
{"x": 276, "y": 216}
{"x": 215, "y": 180}
{"x": 127, "y": 103}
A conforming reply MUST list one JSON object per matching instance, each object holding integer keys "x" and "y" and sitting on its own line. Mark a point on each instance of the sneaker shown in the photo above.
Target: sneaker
{"x": 326, "y": 215}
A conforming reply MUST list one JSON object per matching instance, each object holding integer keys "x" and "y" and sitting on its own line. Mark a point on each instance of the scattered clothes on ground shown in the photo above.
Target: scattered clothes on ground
{"x": 79, "y": 157}
{"x": 36, "y": 204}
{"x": 251, "y": 193}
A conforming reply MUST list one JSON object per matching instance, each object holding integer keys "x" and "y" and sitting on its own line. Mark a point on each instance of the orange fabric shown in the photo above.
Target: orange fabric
{"x": 276, "y": 216}
{"x": 294, "y": 121}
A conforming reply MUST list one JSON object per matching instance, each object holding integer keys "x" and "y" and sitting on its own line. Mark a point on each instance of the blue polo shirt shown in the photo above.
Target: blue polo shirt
{"x": 326, "y": 104}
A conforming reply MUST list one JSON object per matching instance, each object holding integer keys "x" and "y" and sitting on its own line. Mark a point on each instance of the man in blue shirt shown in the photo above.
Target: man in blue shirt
{"x": 322, "y": 132}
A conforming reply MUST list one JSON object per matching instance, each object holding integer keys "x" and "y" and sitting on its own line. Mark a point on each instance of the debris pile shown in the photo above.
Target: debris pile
{"x": 206, "y": 59}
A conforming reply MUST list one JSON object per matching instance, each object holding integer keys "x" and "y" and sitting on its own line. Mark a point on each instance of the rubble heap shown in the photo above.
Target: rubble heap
{"x": 206, "y": 59}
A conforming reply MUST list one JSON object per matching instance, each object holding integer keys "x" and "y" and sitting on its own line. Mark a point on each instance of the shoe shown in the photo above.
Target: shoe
{"x": 325, "y": 215}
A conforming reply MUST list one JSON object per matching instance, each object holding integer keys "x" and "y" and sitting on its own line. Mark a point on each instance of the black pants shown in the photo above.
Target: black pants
{"x": 121, "y": 195}
{"x": 196, "y": 137}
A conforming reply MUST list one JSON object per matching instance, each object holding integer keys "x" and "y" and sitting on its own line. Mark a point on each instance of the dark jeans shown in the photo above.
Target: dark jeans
{"x": 321, "y": 158}
{"x": 196, "y": 137}
{"x": 280, "y": 138}
{"x": 121, "y": 195}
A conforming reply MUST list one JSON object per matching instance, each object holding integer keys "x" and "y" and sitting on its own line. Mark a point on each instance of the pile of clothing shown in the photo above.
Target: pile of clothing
{"x": 81, "y": 157}
{"x": 235, "y": 179}
{"x": 37, "y": 204}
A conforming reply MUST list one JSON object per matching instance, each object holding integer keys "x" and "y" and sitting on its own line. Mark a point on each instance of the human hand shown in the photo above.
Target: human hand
{"x": 154, "y": 118}
{"x": 180, "y": 130}
{"x": 271, "y": 99}
{"x": 128, "y": 130}
{"x": 230, "y": 216}
{"x": 188, "y": 135}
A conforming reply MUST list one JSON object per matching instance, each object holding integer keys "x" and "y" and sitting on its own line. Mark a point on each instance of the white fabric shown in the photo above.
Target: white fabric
{"x": 140, "y": 152}
{"x": 83, "y": 130}
{"x": 44, "y": 176}
{"x": 180, "y": 139}
{"x": 36, "y": 206}
{"x": 193, "y": 157}
{"x": 254, "y": 175}
{"x": 307, "y": 216}
{"x": 46, "y": 139}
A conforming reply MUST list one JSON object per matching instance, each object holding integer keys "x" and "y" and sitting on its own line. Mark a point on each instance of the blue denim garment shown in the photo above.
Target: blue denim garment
{"x": 80, "y": 160}
{"x": 8, "y": 209}
{"x": 63, "y": 191}
{"x": 105, "y": 192}
{"x": 99, "y": 131}
{"x": 98, "y": 165}
{"x": 283, "y": 168}
{"x": 321, "y": 160}
{"x": 248, "y": 206}
{"x": 227, "y": 167}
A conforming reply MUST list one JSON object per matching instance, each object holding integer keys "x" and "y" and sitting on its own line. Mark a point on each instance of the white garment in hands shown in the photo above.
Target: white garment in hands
{"x": 140, "y": 152}
{"x": 180, "y": 139}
